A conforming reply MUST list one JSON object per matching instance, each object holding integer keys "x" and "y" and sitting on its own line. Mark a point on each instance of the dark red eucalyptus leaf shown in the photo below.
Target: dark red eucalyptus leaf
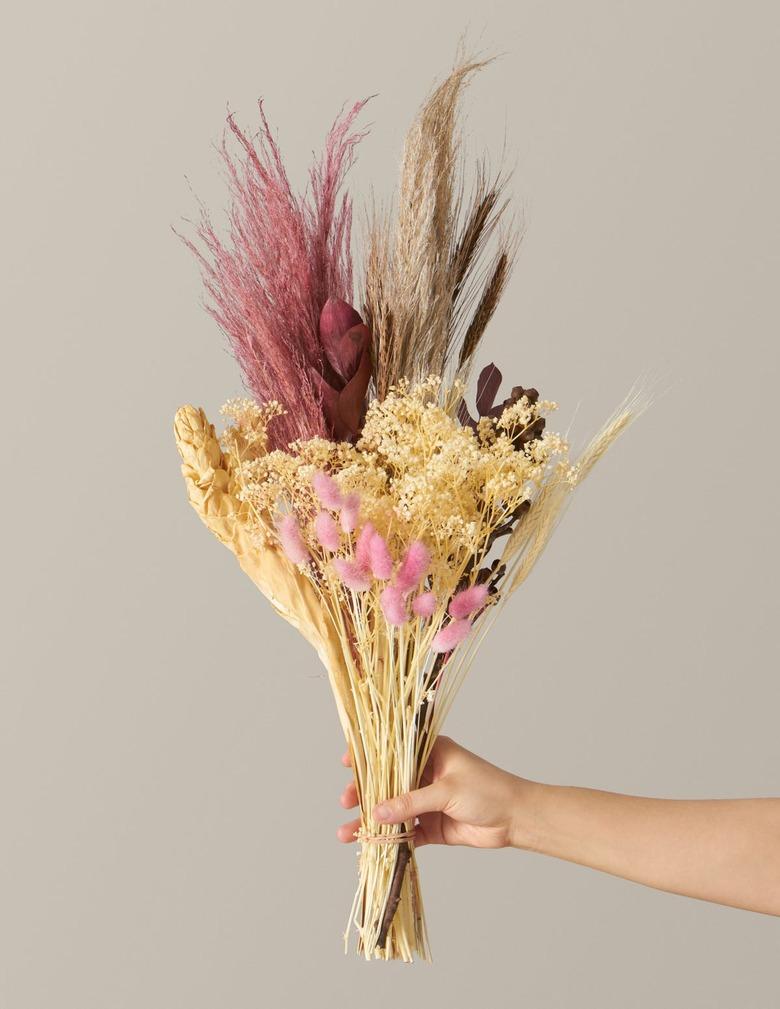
{"x": 342, "y": 336}
{"x": 488, "y": 384}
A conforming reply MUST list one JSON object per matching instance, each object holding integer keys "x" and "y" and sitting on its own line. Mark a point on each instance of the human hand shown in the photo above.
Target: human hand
{"x": 721, "y": 850}
{"x": 463, "y": 799}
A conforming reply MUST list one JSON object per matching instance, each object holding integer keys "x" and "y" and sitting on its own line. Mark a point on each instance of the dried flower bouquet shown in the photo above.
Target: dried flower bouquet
{"x": 356, "y": 489}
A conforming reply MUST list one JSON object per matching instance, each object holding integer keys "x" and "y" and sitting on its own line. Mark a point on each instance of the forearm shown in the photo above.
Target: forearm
{"x": 726, "y": 851}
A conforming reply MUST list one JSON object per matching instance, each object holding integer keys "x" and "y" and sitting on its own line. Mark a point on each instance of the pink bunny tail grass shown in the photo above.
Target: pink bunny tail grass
{"x": 292, "y": 542}
{"x": 451, "y": 636}
{"x": 353, "y": 576}
{"x": 363, "y": 546}
{"x": 425, "y": 604}
{"x": 350, "y": 513}
{"x": 379, "y": 558}
{"x": 284, "y": 256}
{"x": 326, "y": 531}
{"x": 393, "y": 606}
{"x": 414, "y": 566}
{"x": 327, "y": 490}
{"x": 464, "y": 603}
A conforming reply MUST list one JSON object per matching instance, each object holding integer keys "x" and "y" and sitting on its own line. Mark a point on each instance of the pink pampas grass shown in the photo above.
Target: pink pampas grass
{"x": 414, "y": 566}
{"x": 425, "y": 604}
{"x": 292, "y": 541}
{"x": 326, "y": 531}
{"x": 450, "y": 636}
{"x": 285, "y": 256}
{"x": 393, "y": 606}
{"x": 464, "y": 603}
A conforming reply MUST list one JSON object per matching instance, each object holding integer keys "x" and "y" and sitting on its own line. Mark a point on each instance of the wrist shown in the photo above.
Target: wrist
{"x": 525, "y": 829}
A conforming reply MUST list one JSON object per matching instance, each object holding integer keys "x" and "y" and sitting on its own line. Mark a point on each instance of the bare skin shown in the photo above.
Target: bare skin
{"x": 722, "y": 850}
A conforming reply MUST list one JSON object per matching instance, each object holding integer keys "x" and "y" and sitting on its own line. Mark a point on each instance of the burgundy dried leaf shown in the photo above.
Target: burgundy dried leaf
{"x": 488, "y": 384}
{"x": 353, "y": 395}
{"x": 329, "y": 400}
{"x": 465, "y": 417}
{"x": 341, "y": 335}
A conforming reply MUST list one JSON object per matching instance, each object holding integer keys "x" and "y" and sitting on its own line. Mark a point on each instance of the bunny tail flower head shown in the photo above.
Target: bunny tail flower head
{"x": 414, "y": 566}
{"x": 464, "y": 603}
{"x": 451, "y": 635}
{"x": 326, "y": 531}
{"x": 379, "y": 558}
{"x": 425, "y": 604}
{"x": 291, "y": 539}
{"x": 363, "y": 546}
{"x": 393, "y": 606}
{"x": 351, "y": 574}
{"x": 327, "y": 490}
{"x": 350, "y": 513}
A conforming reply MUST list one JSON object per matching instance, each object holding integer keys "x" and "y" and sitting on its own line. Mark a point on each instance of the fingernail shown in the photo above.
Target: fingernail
{"x": 382, "y": 811}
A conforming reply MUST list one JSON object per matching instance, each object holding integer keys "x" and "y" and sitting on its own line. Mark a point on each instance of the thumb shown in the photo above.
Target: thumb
{"x": 404, "y": 807}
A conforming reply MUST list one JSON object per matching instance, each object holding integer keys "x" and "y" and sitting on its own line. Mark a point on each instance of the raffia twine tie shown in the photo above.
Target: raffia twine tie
{"x": 405, "y": 835}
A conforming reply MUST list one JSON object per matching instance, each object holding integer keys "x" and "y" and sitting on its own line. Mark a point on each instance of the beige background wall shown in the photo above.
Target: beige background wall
{"x": 167, "y": 835}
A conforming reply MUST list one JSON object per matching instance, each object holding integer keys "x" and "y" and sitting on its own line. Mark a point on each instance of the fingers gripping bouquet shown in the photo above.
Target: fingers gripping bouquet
{"x": 377, "y": 514}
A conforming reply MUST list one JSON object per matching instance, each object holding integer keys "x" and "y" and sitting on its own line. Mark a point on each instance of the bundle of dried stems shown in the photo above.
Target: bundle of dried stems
{"x": 376, "y": 514}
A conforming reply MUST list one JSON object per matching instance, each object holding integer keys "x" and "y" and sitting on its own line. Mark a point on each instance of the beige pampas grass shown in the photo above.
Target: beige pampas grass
{"x": 435, "y": 275}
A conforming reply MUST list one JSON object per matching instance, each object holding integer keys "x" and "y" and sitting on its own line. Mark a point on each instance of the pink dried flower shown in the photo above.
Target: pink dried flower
{"x": 393, "y": 606}
{"x": 379, "y": 557}
{"x": 327, "y": 490}
{"x": 414, "y": 566}
{"x": 353, "y": 576}
{"x": 425, "y": 604}
{"x": 350, "y": 513}
{"x": 464, "y": 603}
{"x": 363, "y": 546}
{"x": 327, "y": 531}
{"x": 451, "y": 635}
{"x": 291, "y": 539}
